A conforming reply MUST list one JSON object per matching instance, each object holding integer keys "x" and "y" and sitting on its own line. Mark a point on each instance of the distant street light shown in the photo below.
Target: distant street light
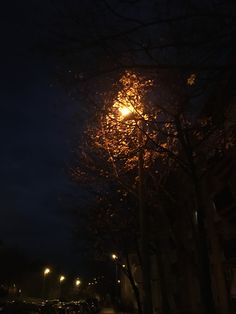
{"x": 62, "y": 278}
{"x": 114, "y": 256}
{"x": 77, "y": 282}
{"x": 46, "y": 272}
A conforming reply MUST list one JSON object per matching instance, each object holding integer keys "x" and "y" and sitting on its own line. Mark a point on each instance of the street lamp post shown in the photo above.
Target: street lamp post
{"x": 77, "y": 285}
{"x": 117, "y": 280}
{"x": 46, "y": 272}
{"x": 61, "y": 280}
{"x": 143, "y": 215}
{"x": 115, "y": 258}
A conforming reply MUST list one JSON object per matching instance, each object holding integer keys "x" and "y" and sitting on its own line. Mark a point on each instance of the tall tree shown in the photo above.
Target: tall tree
{"x": 164, "y": 137}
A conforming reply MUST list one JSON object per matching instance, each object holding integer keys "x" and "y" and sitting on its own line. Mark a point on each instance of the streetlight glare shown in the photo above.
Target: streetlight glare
{"x": 46, "y": 271}
{"x": 77, "y": 282}
{"x": 114, "y": 256}
{"x": 62, "y": 278}
{"x": 125, "y": 111}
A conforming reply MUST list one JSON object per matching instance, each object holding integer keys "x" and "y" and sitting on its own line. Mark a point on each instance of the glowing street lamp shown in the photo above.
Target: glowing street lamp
{"x": 143, "y": 218}
{"x": 62, "y": 278}
{"x": 46, "y": 271}
{"x": 126, "y": 122}
{"x": 125, "y": 111}
{"x": 77, "y": 282}
{"x": 114, "y": 256}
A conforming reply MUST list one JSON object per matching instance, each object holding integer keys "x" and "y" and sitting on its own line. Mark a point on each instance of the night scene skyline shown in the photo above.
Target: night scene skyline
{"x": 118, "y": 160}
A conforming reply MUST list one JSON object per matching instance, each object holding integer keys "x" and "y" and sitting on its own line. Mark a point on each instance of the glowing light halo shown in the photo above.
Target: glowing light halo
{"x": 125, "y": 111}
{"x": 46, "y": 271}
{"x": 62, "y": 278}
{"x": 77, "y": 282}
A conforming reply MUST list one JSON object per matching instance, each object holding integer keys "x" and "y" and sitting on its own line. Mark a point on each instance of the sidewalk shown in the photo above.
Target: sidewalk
{"x": 110, "y": 310}
{"x": 107, "y": 310}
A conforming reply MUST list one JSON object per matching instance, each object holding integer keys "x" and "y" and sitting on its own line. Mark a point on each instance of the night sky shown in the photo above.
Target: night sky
{"x": 36, "y": 130}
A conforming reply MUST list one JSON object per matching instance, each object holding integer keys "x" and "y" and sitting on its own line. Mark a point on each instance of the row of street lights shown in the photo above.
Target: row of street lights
{"x": 47, "y": 271}
{"x": 116, "y": 259}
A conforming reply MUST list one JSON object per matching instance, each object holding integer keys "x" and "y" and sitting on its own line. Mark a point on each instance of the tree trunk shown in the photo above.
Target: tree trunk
{"x": 163, "y": 286}
{"x": 144, "y": 231}
{"x": 204, "y": 261}
{"x": 133, "y": 285}
{"x": 218, "y": 269}
{"x": 202, "y": 239}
